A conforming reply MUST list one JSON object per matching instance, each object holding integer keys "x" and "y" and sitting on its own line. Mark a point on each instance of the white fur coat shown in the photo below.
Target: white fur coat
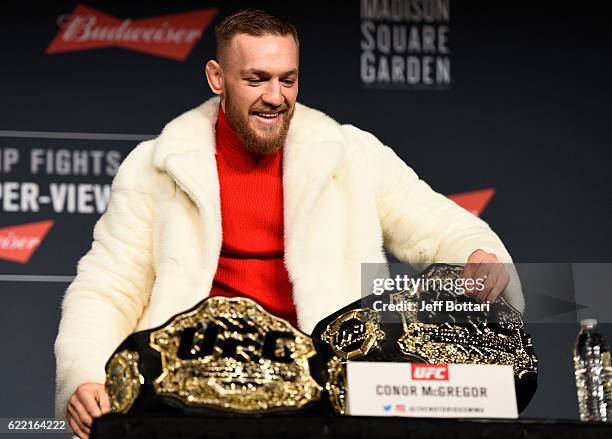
{"x": 156, "y": 249}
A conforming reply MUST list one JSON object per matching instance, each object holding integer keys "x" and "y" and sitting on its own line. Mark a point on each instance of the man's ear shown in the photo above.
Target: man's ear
{"x": 214, "y": 75}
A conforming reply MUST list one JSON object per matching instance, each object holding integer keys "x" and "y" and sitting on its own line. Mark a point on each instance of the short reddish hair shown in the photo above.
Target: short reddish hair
{"x": 253, "y": 22}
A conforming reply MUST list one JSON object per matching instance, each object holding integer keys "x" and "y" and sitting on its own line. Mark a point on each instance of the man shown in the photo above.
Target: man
{"x": 253, "y": 194}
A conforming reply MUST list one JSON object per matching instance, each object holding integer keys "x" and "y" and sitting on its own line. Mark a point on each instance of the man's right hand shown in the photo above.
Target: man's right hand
{"x": 87, "y": 402}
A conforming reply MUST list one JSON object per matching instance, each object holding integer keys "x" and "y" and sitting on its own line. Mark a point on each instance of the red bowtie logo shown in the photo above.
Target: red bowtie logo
{"x": 18, "y": 243}
{"x": 475, "y": 201}
{"x": 170, "y": 36}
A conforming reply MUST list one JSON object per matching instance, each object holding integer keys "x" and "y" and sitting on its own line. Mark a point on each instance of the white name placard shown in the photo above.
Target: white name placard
{"x": 427, "y": 390}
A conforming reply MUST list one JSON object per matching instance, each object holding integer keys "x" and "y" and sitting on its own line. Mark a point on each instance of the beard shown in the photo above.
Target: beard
{"x": 267, "y": 139}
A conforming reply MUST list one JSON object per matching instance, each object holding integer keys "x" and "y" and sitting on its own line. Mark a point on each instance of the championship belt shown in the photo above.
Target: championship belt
{"x": 224, "y": 355}
{"x": 230, "y": 356}
{"x": 358, "y": 332}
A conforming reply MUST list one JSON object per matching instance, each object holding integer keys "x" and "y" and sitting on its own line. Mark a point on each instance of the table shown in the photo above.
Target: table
{"x": 349, "y": 427}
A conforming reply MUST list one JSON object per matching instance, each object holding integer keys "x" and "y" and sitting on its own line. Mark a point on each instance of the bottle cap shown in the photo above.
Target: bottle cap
{"x": 588, "y": 323}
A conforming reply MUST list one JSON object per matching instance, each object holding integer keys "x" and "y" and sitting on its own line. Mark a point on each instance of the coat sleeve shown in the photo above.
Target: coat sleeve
{"x": 112, "y": 286}
{"x": 421, "y": 226}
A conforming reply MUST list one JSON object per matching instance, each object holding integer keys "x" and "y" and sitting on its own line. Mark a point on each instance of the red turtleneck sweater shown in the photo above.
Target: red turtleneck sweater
{"x": 251, "y": 261}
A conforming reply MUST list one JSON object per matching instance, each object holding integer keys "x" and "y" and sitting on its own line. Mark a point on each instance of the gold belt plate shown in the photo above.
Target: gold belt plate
{"x": 231, "y": 354}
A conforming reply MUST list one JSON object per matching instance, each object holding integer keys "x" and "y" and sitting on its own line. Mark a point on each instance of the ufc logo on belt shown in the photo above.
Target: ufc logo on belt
{"x": 434, "y": 372}
{"x": 237, "y": 339}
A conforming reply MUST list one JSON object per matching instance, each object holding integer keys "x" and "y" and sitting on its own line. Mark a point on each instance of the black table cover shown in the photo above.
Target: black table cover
{"x": 349, "y": 427}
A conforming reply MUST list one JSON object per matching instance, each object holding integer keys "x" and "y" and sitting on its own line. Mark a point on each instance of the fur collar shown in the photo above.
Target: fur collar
{"x": 313, "y": 153}
{"x": 194, "y": 131}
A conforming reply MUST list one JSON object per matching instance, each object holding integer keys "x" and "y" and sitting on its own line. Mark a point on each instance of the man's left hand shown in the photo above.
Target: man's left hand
{"x": 492, "y": 274}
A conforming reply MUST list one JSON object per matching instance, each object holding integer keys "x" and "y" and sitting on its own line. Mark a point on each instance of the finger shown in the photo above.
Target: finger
{"x": 471, "y": 286}
{"x": 79, "y": 422}
{"x": 472, "y": 264}
{"x": 75, "y": 427}
{"x": 500, "y": 286}
{"x": 485, "y": 265}
{"x": 477, "y": 256}
{"x": 480, "y": 278}
{"x": 77, "y": 419}
{"x": 104, "y": 401}
{"x": 74, "y": 414}
{"x": 89, "y": 401}
{"x": 469, "y": 271}
{"x": 495, "y": 270}
{"x": 485, "y": 270}
{"x": 83, "y": 415}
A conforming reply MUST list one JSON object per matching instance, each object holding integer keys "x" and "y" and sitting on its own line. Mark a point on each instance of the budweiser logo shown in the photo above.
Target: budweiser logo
{"x": 438, "y": 372}
{"x": 18, "y": 243}
{"x": 171, "y": 36}
{"x": 475, "y": 201}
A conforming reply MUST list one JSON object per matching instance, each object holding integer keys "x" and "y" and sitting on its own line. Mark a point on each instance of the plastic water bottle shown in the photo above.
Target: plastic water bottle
{"x": 593, "y": 370}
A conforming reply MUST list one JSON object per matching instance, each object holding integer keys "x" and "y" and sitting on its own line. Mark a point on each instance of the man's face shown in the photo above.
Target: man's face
{"x": 260, "y": 87}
